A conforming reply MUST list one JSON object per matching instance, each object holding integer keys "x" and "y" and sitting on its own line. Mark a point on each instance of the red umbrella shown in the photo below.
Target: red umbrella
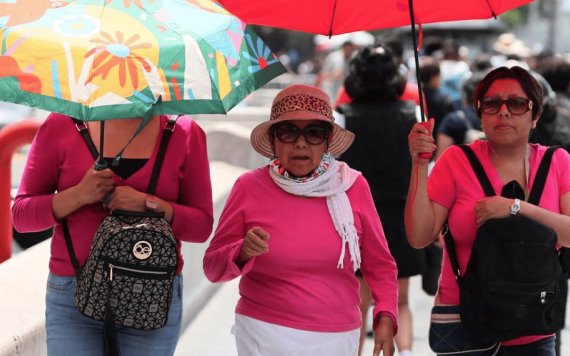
{"x": 332, "y": 17}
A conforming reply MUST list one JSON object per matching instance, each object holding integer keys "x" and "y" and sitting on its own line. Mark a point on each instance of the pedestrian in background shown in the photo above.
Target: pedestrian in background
{"x": 462, "y": 125}
{"x": 380, "y": 119}
{"x": 295, "y": 231}
{"x": 335, "y": 68}
{"x": 438, "y": 103}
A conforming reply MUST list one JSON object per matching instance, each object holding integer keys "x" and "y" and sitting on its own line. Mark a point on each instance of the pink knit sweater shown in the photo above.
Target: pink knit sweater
{"x": 297, "y": 283}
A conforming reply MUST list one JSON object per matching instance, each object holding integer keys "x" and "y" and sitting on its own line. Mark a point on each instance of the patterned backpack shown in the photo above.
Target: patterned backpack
{"x": 128, "y": 276}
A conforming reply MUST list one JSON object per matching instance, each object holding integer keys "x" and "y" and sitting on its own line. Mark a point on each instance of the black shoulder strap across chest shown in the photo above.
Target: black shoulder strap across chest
{"x": 534, "y": 196}
{"x": 539, "y": 180}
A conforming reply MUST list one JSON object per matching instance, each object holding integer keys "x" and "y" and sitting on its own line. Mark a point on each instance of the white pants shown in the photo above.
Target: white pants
{"x": 258, "y": 338}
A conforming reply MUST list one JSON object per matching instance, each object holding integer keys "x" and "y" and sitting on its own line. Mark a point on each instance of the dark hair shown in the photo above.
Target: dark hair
{"x": 374, "y": 76}
{"x": 557, "y": 72}
{"x": 397, "y": 48}
{"x": 469, "y": 85}
{"x": 450, "y": 49}
{"x": 429, "y": 69}
{"x": 529, "y": 84}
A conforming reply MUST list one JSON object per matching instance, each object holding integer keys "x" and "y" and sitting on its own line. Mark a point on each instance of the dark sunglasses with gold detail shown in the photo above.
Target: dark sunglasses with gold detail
{"x": 517, "y": 105}
{"x": 289, "y": 133}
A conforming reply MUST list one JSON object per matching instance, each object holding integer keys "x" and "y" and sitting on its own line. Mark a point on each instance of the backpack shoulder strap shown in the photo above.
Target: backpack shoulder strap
{"x": 489, "y": 191}
{"x": 450, "y": 246}
{"x": 479, "y": 171}
{"x": 167, "y": 133}
{"x": 541, "y": 174}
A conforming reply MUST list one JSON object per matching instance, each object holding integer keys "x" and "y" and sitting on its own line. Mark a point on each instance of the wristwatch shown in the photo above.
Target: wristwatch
{"x": 516, "y": 207}
{"x": 151, "y": 203}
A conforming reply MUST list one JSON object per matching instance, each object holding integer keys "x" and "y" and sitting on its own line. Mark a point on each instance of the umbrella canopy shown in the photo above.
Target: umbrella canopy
{"x": 332, "y": 17}
{"x": 105, "y": 59}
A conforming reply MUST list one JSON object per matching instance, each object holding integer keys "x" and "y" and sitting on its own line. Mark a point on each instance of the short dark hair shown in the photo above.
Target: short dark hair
{"x": 429, "y": 69}
{"x": 374, "y": 75}
{"x": 529, "y": 84}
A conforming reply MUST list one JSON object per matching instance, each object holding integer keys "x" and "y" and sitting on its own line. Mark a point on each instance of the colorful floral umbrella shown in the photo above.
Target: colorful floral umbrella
{"x": 105, "y": 59}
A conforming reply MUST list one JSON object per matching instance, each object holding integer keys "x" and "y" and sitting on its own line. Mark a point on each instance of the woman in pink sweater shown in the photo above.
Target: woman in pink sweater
{"x": 295, "y": 231}
{"x": 59, "y": 182}
{"x": 509, "y": 103}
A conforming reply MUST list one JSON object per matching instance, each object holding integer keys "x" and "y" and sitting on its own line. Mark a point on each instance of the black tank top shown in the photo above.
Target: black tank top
{"x": 127, "y": 166}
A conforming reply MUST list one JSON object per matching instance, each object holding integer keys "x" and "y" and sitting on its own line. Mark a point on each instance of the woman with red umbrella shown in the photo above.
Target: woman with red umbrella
{"x": 509, "y": 102}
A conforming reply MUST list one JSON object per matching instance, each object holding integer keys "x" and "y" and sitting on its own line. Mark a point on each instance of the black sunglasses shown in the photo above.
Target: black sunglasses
{"x": 516, "y": 105}
{"x": 289, "y": 133}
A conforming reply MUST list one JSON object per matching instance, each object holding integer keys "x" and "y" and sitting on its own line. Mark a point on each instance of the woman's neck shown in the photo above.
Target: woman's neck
{"x": 508, "y": 153}
{"x": 511, "y": 163}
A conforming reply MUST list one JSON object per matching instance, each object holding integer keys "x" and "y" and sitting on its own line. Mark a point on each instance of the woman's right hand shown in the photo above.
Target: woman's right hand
{"x": 255, "y": 243}
{"x": 94, "y": 186}
{"x": 420, "y": 140}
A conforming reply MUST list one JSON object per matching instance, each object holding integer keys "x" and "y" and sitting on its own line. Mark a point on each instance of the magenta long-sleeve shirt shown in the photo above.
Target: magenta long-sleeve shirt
{"x": 297, "y": 283}
{"x": 58, "y": 160}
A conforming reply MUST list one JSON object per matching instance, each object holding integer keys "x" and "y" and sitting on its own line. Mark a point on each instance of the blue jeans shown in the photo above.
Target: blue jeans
{"x": 69, "y": 332}
{"x": 544, "y": 347}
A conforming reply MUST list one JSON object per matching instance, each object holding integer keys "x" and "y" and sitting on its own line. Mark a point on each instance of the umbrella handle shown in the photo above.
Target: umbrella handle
{"x": 425, "y": 155}
{"x": 101, "y": 164}
{"x": 417, "y": 59}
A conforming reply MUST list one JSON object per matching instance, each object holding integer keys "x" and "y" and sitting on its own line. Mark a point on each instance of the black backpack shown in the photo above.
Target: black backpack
{"x": 514, "y": 284}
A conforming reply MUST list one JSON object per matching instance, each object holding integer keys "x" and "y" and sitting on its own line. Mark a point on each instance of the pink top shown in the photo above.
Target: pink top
{"x": 453, "y": 185}
{"x": 297, "y": 283}
{"x": 58, "y": 160}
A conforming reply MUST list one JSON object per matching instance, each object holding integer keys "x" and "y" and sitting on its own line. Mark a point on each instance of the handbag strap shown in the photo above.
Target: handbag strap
{"x": 534, "y": 196}
{"x": 84, "y": 132}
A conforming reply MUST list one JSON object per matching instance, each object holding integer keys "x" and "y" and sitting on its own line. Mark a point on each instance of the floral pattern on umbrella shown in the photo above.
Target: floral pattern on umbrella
{"x": 96, "y": 59}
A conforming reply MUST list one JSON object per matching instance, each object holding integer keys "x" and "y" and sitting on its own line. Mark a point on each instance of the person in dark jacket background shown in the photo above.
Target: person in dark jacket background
{"x": 381, "y": 122}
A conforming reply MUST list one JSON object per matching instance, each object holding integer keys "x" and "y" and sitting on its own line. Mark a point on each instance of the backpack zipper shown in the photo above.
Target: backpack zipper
{"x": 132, "y": 270}
{"x": 543, "y": 296}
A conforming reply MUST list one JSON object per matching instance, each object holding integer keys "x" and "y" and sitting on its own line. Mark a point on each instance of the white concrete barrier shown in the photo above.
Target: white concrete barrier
{"x": 22, "y": 302}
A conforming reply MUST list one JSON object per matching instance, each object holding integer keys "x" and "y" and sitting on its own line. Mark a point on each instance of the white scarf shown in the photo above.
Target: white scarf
{"x": 332, "y": 183}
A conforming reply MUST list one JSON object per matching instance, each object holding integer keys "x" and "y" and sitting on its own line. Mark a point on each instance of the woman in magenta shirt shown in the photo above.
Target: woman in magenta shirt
{"x": 509, "y": 103}
{"x": 59, "y": 182}
{"x": 295, "y": 231}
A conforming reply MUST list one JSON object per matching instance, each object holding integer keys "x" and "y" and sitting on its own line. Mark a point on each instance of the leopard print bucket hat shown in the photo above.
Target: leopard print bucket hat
{"x": 300, "y": 102}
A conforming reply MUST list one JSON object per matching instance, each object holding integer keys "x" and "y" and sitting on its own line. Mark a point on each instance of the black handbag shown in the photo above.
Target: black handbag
{"x": 128, "y": 276}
